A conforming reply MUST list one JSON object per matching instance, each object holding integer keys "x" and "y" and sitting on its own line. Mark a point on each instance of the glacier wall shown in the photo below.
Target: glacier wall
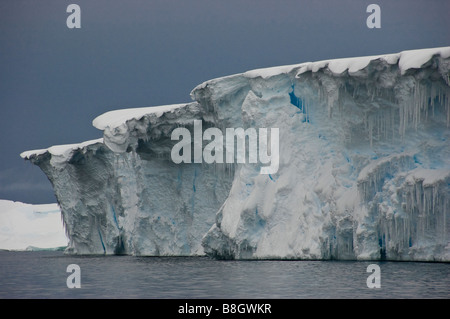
{"x": 364, "y": 168}
{"x": 123, "y": 195}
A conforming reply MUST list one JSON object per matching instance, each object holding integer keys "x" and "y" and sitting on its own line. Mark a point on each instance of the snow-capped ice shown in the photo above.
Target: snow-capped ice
{"x": 62, "y": 151}
{"x": 25, "y": 226}
{"x": 406, "y": 60}
{"x": 364, "y": 168}
{"x": 116, "y": 118}
{"x": 125, "y": 195}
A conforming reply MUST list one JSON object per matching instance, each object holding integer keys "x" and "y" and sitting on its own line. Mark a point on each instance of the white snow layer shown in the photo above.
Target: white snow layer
{"x": 28, "y": 227}
{"x": 406, "y": 60}
{"x": 364, "y": 168}
{"x": 116, "y": 118}
{"x": 61, "y": 151}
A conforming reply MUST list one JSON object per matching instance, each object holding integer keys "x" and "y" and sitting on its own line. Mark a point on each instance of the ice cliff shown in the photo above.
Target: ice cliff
{"x": 364, "y": 168}
{"x": 123, "y": 195}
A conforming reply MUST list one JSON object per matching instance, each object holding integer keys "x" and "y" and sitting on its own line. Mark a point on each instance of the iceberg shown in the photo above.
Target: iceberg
{"x": 123, "y": 195}
{"x": 363, "y": 172}
{"x": 31, "y": 227}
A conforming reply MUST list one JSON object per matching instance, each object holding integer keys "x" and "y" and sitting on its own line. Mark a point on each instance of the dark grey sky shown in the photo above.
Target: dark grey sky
{"x": 54, "y": 81}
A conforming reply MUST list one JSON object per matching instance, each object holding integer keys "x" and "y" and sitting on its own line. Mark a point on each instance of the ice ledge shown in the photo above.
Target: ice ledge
{"x": 117, "y": 118}
{"x": 411, "y": 59}
{"x": 406, "y": 60}
{"x": 107, "y": 121}
{"x": 60, "y": 150}
{"x": 429, "y": 177}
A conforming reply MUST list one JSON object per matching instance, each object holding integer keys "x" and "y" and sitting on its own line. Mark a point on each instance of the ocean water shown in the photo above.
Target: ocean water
{"x": 44, "y": 274}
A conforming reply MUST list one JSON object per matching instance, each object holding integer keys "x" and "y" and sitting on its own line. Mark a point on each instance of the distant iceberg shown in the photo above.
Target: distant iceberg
{"x": 31, "y": 227}
{"x": 364, "y": 168}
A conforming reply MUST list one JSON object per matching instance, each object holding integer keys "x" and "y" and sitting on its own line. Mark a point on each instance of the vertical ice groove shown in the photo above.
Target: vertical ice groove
{"x": 101, "y": 240}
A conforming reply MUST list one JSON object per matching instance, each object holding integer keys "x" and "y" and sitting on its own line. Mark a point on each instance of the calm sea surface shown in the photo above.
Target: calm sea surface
{"x": 43, "y": 275}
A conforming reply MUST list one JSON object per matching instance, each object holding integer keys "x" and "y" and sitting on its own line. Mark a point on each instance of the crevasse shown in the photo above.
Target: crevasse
{"x": 364, "y": 168}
